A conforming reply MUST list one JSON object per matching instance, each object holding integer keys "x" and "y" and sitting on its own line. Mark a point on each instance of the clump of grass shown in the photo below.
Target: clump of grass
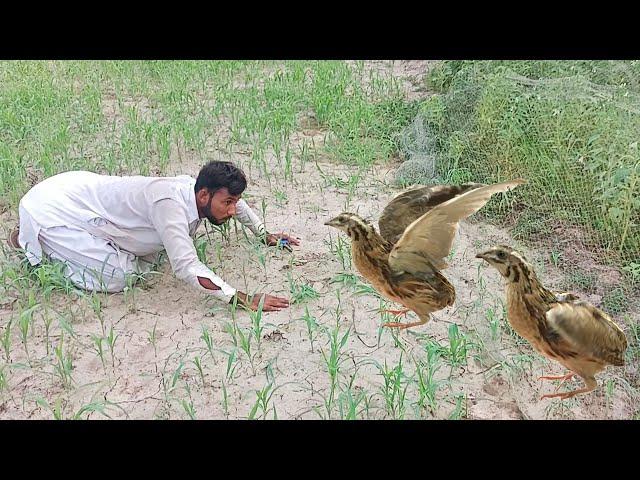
{"x": 341, "y": 249}
{"x": 263, "y": 399}
{"x": 354, "y": 401}
{"x": 569, "y": 128}
{"x": 349, "y": 403}
{"x": 333, "y": 360}
{"x": 394, "y": 389}
{"x": 425, "y": 378}
{"x": 300, "y": 292}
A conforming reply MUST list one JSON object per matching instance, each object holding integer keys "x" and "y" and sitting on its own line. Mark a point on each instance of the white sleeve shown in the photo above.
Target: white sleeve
{"x": 248, "y": 217}
{"x": 170, "y": 220}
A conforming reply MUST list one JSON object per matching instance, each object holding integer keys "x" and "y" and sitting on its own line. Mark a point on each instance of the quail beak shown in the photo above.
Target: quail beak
{"x": 483, "y": 256}
{"x": 332, "y": 223}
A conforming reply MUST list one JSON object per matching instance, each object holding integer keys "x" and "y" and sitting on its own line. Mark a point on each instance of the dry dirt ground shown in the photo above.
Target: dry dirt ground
{"x": 159, "y": 379}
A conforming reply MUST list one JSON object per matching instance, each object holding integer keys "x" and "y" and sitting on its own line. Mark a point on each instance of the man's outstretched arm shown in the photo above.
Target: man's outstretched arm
{"x": 170, "y": 220}
{"x": 271, "y": 303}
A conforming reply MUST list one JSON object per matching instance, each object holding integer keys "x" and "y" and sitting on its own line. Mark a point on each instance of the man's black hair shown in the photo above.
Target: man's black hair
{"x": 216, "y": 175}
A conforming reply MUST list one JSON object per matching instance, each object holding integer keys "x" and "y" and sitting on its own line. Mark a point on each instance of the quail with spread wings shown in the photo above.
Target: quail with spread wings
{"x": 563, "y": 328}
{"x": 417, "y": 229}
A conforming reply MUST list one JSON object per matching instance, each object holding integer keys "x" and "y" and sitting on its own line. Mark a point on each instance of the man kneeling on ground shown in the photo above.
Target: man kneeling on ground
{"x": 104, "y": 228}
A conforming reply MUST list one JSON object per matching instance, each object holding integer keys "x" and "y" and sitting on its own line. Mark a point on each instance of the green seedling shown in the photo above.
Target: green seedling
{"x": 426, "y": 377}
{"x": 130, "y": 292}
{"x": 201, "y": 249}
{"x": 176, "y": 376}
{"x": 208, "y": 341}
{"x": 346, "y": 279}
{"x": 494, "y": 323}
{"x": 111, "y": 341}
{"x": 365, "y": 289}
{"x": 333, "y": 361}
{"x": 608, "y": 391}
{"x": 300, "y": 292}
{"x": 263, "y": 398}
{"x": 6, "y": 340}
{"x": 25, "y": 321}
{"x": 312, "y": 326}
{"x": 244, "y": 341}
{"x": 288, "y": 171}
{"x": 56, "y": 410}
{"x": 189, "y": 409}
{"x": 97, "y": 407}
{"x": 393, "y": 390}
{"x": 225, "y": 400}
{"x": 198, "y": 364}
{"x": 96, "y": 305}
{"x": 47, "y": 320}
{"x": 64, "y": 364}
{"x": 3, "y": 379}
{"x": 232, "y": 362}
{"x": 457, "y": 354}
{"x": 460, "y": 410}
{"x": 256, "y": 321}
{"x": 280, "y": 197}
{"x": 67, "y": 327}
{"x": 349, "y": 402}
{"x": 97, "y": 342}
{"x": 153, "y": 340}
{"x": 341, "y": 249}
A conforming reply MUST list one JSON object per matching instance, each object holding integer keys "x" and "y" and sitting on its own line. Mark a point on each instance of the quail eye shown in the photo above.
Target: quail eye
{"x": 502, "y": 255}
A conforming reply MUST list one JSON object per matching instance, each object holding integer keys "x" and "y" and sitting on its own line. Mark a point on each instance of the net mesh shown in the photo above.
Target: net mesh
{"x": 571, "y": 129}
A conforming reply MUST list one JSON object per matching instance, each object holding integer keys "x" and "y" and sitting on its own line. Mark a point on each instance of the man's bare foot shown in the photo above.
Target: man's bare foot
{"x": 13, "y": 239}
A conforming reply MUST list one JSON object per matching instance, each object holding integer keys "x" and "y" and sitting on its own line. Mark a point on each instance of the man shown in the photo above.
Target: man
{"x": 104, "y": 228}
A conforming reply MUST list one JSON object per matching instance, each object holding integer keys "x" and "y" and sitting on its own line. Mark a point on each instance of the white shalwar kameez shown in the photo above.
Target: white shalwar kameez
{"x": 104, "y": 228}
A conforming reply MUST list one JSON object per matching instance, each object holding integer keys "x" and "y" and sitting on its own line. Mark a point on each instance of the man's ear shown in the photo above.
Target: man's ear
{"x": 202, "y": 197}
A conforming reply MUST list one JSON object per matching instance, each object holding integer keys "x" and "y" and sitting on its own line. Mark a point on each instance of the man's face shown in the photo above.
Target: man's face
{"x": 217, "y": 208}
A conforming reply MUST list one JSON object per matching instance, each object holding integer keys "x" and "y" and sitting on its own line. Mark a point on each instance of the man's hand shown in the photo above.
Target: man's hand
{"x": 281, "y": 239}
{"x": 271, "y": 303}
